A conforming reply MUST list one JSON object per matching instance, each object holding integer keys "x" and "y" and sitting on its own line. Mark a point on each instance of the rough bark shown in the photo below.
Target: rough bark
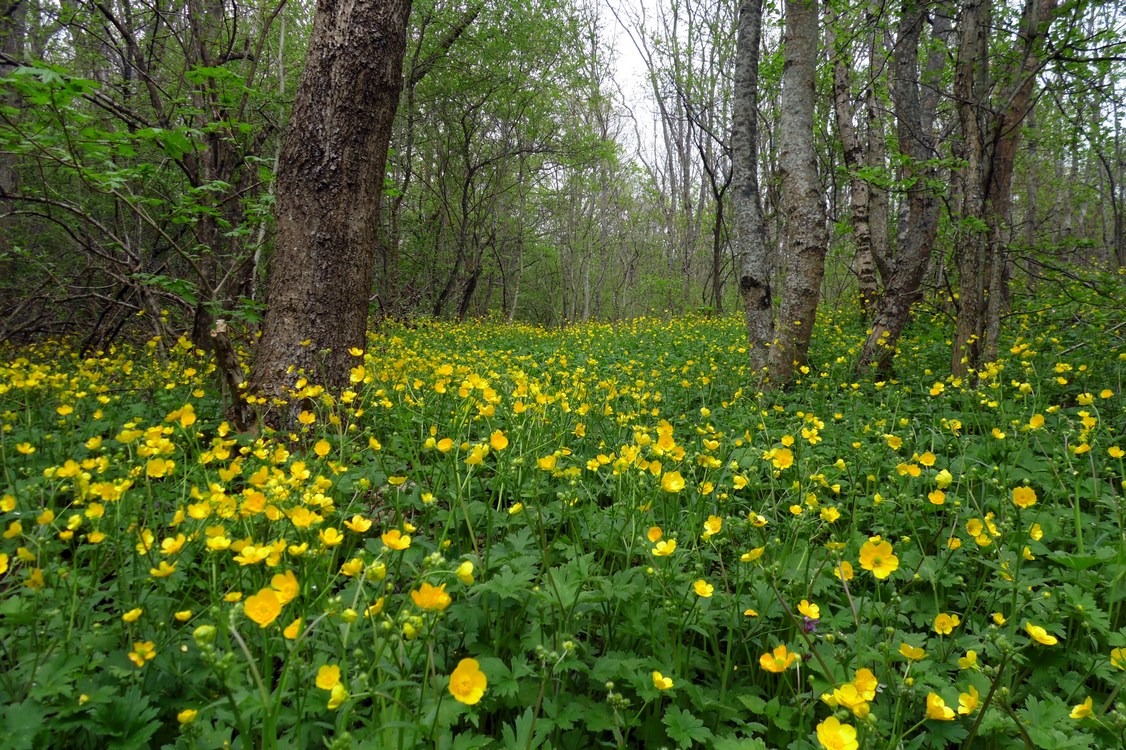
{"x": 750, "y": 233}
{"x": 991, "y": 132}
{"x": 328, "y": 188}
{"x": 914, "y": 129}
{"x": 806, "y": 235}
{"x": 854, "y": 159}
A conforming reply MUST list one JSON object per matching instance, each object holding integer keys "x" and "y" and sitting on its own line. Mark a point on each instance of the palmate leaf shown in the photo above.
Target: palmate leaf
{"x": 685, "y": 728}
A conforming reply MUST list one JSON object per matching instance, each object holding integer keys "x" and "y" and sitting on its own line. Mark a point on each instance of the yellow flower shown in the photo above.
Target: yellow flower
{"x": 1024, "y": 497}
{"x": 1115, "y": 452}
{"x": 498, "y": 441}
{"x": 358, "y": 524}
{"x": 778, "y": 660}
{"x": 829, "y": 514}
{"x": 654, "y": 534}
{"x": 1084, "y": 709}
{"x": 330, "y": 537}
{"x": 833, "y": 735}
{"x": 183, "y": 615}
{"x": 464, "y": 572}
{"x": 263, "y": 607}
{"x": 1118, "y": 658}
{"x": 187, "y": 716}
{"x": 328, "y": 676}
{"x": 468, "y": 682}
{"x": 944, "y": 624}
{"x": 159, "y": 467}
{"x": 142, "y": 652}
{"x": 337, "y": 697}
{"x": 936, "y": 497}
{"x": 352, "y": 568}
{"x": 712, "y": 526}
{"x": 783, "y": 458}
{"x": 848, "y": 696}
{"x": 866, "y": 683}
{"x": 969, "y": 661}
{"x": 431, "y": 597}
{"x": 753, "y": 554}
{"x": 812, "y": 611}
{"x": 664, "y": 548}
{"x": 547, "y": 463}
{"x": 163, "y": 570}
{"x": 286, "y": 587}
{"x": 396, "y": 540}
{"x": 876, "y": 556}
{"x": 844, "y": 571}
{"x": 968, "y": 702}
{"x": 937, "y": 708}
{"x": 293, "y": 629}
{"x": 660, "y": 681}
{"x": 132, "y": 615}
{"x": 1040, "y": 635}
{"x": 703, "y": 588}
{"x": 672, "y": 481}
{"x": 998, "y": 618}
{"x": 322, "y": 448}
{"x": 912, "y": 652}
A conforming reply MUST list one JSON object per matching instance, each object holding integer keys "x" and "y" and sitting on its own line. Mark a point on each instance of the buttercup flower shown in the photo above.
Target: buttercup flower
{"x": 672, "y": 481}
{"x": 968, "y": 702}
{"x": 937, "y": 708}
{"x": 1040, "y": 635}
{"x": 1084, "y": 709}
{"x": 778, "y": 660}
{"x": 468, "y": 682}
{"x": 812, "y": 611}
{"x": 703, "y": 588}
{"x": 396, "y": 540}
{"x": 661, "y": 682}
{"x": 1024, "y": 497}
{"x": 911, "y": 652}
{"x": 263, "y": 607}
{"x": 833, "y": 735}
{"x": 877, "y": 556}
{"x": 432, "y": 598}
{"x": 944, "y": 624}
{"x": 328, "y": 676}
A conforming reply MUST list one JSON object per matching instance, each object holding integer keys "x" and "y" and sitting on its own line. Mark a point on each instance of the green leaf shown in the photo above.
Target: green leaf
{"x": 685, "y": 728}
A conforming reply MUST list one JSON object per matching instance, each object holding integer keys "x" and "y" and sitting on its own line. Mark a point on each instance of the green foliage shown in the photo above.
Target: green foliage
{"x": 511, "y": 495}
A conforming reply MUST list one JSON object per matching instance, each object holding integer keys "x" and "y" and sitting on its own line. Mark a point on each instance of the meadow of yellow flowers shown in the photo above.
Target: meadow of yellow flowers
{"x": 503, "y": 536}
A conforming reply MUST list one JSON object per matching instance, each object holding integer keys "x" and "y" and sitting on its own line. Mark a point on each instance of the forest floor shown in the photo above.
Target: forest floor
{"x": 505, "y": 536}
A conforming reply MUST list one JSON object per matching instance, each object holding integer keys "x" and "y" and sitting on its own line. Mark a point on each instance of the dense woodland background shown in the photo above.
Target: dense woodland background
{"x": 140, "y": 140}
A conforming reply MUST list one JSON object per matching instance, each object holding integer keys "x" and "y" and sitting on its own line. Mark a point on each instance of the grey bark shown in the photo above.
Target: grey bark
{"x": 914, "y": 128}
{"x": 806, "y": 234}
{"x": 750, "y": 232}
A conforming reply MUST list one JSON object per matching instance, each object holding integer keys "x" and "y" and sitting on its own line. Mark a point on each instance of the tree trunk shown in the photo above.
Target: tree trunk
{"x": 991, "y": 134}
{"x": 854, "y": 159}
{"x": 806, "y": 234}
{"x": 750, "y": 233}
{"x": 328, "y": 189}
{"x": 914, "y": 125}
